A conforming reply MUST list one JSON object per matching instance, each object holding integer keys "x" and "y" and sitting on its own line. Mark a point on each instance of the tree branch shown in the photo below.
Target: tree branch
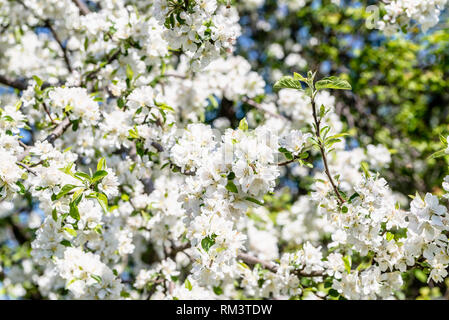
{"x": 251, "y": 260}
{"x": 17, "y": 84}
{"x": 55, "y": 134}
{"x": 26, "y": 167}
{"x": 63, "y": 48}
{"x": 91, "y": 74}
{"x": 254, "y": 104}
{"x": 84, "y": 10}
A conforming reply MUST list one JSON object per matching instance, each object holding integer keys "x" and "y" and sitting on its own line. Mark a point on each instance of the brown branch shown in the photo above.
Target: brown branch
{"x": 91, "y": 74}
{"x": 26, "y": 167}
{"x": 47, "y": 112}
{"x": 286, "y": 163}
{"x": 58, "y": 131}
{"x": 174, "y": 251}
{"x": 251, "y": 260}
{"x": 84, "y": 10}
{"x": 20, "y": 84}
{"x": 17, "y": 84}
{"x": 55, "y": 134}
{"x": 63, "y": 48}
{"x": 18, "y": 231}
{"x": 157, "y": 146}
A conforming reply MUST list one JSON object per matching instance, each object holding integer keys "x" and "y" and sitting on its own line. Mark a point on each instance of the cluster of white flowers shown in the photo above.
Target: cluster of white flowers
{"x": 400, "y": 13}
{"x": 202, "y": 29}
{"x": 373, "y": 225}
{"x": 11, "y": 120}
{"x": 230, "y": 78}
{"x": 230, "y": 176}
{"x": 87, "y": 277}
{"x": 76, "y": 102}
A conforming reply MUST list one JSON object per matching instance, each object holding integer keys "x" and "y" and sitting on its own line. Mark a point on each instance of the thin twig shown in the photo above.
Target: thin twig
{"x": 26, "y": 167}
{"x": 47, "y": 112}
{"x": 63, "y": 48}
{"x": 91, "y": 74}
{"x": 322, "y": 149}
{"x": 254, "y": 104}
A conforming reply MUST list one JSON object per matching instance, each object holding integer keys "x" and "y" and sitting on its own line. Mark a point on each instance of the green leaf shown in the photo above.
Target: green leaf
{"x": 99, "y": 175}
{"x": 65, "y": 189}
{"x": 287, "y": 154}
{"x": 324, "y": 131}
{"x": 208, "y": 242}
{"x": 129, "y": 72}
{"x": 188, "y": 285}
{"x": 243, "y": 125}
{"x": 103, "y": 200}
{"x": 420, "y": 275}
{"x": 330, "y": 142}
{"x": 438, "y": 154}
{"x": 353, "y": 196}
{"x": 322, "y": 111}
{"x": 333, "y": 83}
{"x": 86, "y": 43}
{"x": 287, "y": 83}
{"x": 77, "y": 196}
{"x": 133, "y": 134}
{"x": 365, "y": 168}
{"x": 213, "y": 101}
{"x": 101, "y": 164}
{"x": 304, "y": 155}
{"x": 299, "y": 77}
{"x": 38, "y": 81}
{"x": 254, "y": 201}
{"x": 339, "y": 135}
{"x": 18, "y": 105}
{"x": 390, "y": 236}
{"x": 54, "y": 215}
{"x": 243, "y": 264}
{"x": 231, "y": 187}
{"x": 96, "y": 278}
{"x": 218, "y": 290}
{"x": 121, "y": 102}
{"x": 70, "y": 231}
{"x": 443, "y": 140}
{"x": 98, "y": 229}
{"x": 66, "y": 243}
{"x": 22, "y": 190}
{"x": 348, "y": 263}
{"x": 333, "y": 293}
{"x": 166, "y": 107}
{"x": 74, "y": 213}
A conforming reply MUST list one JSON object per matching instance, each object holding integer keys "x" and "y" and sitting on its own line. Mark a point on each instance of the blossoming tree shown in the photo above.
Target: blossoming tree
{"x": 145, "y": 155}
